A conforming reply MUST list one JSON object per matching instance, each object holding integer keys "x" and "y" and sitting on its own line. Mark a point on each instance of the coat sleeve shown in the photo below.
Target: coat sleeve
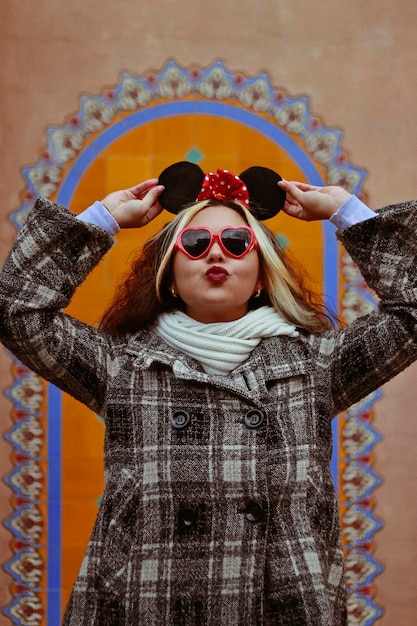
{"x": 378, "y": 346}
{"x": 51, "y": 256}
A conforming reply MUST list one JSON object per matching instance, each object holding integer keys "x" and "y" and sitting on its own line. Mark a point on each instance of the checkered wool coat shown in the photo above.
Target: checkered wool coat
{"x": 219, "y": 507}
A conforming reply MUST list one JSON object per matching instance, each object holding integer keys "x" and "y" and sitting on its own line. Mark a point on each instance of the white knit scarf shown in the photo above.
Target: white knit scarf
{"x": 221, "y": 346}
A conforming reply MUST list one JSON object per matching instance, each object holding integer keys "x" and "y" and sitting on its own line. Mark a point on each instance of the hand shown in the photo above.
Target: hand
{"x": 137, "y": 206}
{"x": 307, "y": 202}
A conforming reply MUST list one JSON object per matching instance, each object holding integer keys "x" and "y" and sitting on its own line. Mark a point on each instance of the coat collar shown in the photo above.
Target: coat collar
{"x": 273, "y": 359}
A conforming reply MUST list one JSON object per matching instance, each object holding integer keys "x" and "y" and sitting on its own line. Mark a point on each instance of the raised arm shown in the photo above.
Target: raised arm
{"x": 376, "y": 347}
{"x": 52, "y": 255}
{"x": 360, "y": 358}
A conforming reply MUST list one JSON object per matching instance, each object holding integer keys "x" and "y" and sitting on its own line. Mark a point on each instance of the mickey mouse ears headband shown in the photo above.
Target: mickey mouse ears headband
{"x": 256, "y": 188}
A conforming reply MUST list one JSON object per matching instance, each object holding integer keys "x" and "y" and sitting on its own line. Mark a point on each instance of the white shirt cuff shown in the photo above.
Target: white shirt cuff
{"x": 351, "y": 212}
{"x": 98, "y": 215}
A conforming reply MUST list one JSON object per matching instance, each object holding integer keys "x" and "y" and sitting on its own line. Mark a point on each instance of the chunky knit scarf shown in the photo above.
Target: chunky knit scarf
{"x": 221, "y": 346}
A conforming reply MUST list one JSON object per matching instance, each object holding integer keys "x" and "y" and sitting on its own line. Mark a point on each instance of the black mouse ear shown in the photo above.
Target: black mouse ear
{"x": 182, "y": 182}
{"x": 266, "y": 199}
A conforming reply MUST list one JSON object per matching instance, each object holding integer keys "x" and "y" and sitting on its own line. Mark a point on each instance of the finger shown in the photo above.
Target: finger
{"x": 296, "y": 193}
{"x": 155, "y": 210}
{"x": 139, "y": 190}
{"x": 293, "y": 210}
{"x": 290, "y": 200}
{"x": 151, "y": 196}
{"x": 294, "y": 183}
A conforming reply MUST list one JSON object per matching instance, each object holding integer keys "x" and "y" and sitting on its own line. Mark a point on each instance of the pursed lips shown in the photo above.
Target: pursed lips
{"x": 217, "y": 273}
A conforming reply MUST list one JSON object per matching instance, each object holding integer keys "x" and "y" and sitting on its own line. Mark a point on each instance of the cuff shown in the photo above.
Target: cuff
{"x": 351, "y": 212}
{"x": 98, "y": 215}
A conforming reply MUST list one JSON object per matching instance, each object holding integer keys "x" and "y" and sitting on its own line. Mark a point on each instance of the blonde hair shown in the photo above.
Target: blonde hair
{"x": 287, "y": 283}
{"x": 145, "y": 293}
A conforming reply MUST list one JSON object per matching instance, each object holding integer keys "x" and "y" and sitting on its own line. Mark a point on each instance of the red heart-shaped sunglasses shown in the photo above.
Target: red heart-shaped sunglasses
{"x": 236, "y": 242}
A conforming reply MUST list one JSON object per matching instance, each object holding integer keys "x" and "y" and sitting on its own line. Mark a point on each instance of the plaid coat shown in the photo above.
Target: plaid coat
{"x": 219, "y": 506}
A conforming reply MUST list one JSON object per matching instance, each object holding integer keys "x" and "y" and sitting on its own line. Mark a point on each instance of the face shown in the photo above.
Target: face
{"x": 217, "y": 287}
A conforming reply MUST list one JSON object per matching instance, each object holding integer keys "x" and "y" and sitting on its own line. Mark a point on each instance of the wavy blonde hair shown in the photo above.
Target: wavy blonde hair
{"x": 145, "y": 291}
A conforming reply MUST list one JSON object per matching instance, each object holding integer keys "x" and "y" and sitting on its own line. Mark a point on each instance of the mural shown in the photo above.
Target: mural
{"x": 217, "y": 118}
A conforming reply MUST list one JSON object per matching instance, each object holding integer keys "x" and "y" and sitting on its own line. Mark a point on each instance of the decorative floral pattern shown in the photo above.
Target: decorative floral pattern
{"x": 27, "y": 483}
{"x": 217, "y": 84}
{"x": 357, "y": 478}
{"x": 27, "y": 437}
{"x": 133, "y": 94}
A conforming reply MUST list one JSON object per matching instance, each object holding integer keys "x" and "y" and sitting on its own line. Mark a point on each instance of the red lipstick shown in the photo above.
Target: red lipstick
{"x": 217, "y": 274}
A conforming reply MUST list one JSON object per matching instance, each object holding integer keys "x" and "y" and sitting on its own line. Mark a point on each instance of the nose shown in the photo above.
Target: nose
{"x": 215, "y": 252}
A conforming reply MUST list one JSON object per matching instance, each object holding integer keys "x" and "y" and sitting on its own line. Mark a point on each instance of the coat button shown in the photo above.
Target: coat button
{"x": 180, "y": 419}
{"x": 254, "y": 418}
{"x": 254, "y": 511}
{"x": 187, "y": 517}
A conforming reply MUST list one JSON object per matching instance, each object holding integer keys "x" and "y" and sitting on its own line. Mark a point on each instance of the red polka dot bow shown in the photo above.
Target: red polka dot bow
{"x": 224, "y": 186}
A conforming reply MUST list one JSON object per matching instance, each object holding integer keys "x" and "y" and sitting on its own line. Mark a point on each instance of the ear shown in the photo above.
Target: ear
{"x": 182, "y": 182}
{"x": 260, "y": 285}
{"x": 265, "y": 197}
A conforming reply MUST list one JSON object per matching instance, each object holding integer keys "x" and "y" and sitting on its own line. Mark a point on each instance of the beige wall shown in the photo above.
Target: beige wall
{"x": 354, "y": 59}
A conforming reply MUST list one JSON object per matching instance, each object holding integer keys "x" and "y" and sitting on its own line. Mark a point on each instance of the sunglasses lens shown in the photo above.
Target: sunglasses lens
{"x": 195, "y": 242}
{"x": 236, "y": 241}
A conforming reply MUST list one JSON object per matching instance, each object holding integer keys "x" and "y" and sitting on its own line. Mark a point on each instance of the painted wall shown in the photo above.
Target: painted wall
{"x": 354, "y": 60}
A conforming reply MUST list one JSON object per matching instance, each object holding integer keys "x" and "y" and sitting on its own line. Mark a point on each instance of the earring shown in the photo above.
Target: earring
{"x": 257, "y": 293}
{"x": 174, "y": 292}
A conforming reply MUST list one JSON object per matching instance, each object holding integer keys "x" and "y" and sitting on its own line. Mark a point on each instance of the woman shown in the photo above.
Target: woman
{"x": 217, "y": 386}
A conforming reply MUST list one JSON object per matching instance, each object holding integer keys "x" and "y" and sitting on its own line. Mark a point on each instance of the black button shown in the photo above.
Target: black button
{"x": 254, "y": 511}
{"x": 254, "y": 418}
{"x": 180, "y": 419}
{"x": 187, "y": 517}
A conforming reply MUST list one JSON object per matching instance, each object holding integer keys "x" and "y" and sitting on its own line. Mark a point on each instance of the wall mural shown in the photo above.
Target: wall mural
{"x": 129, "y": 132}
